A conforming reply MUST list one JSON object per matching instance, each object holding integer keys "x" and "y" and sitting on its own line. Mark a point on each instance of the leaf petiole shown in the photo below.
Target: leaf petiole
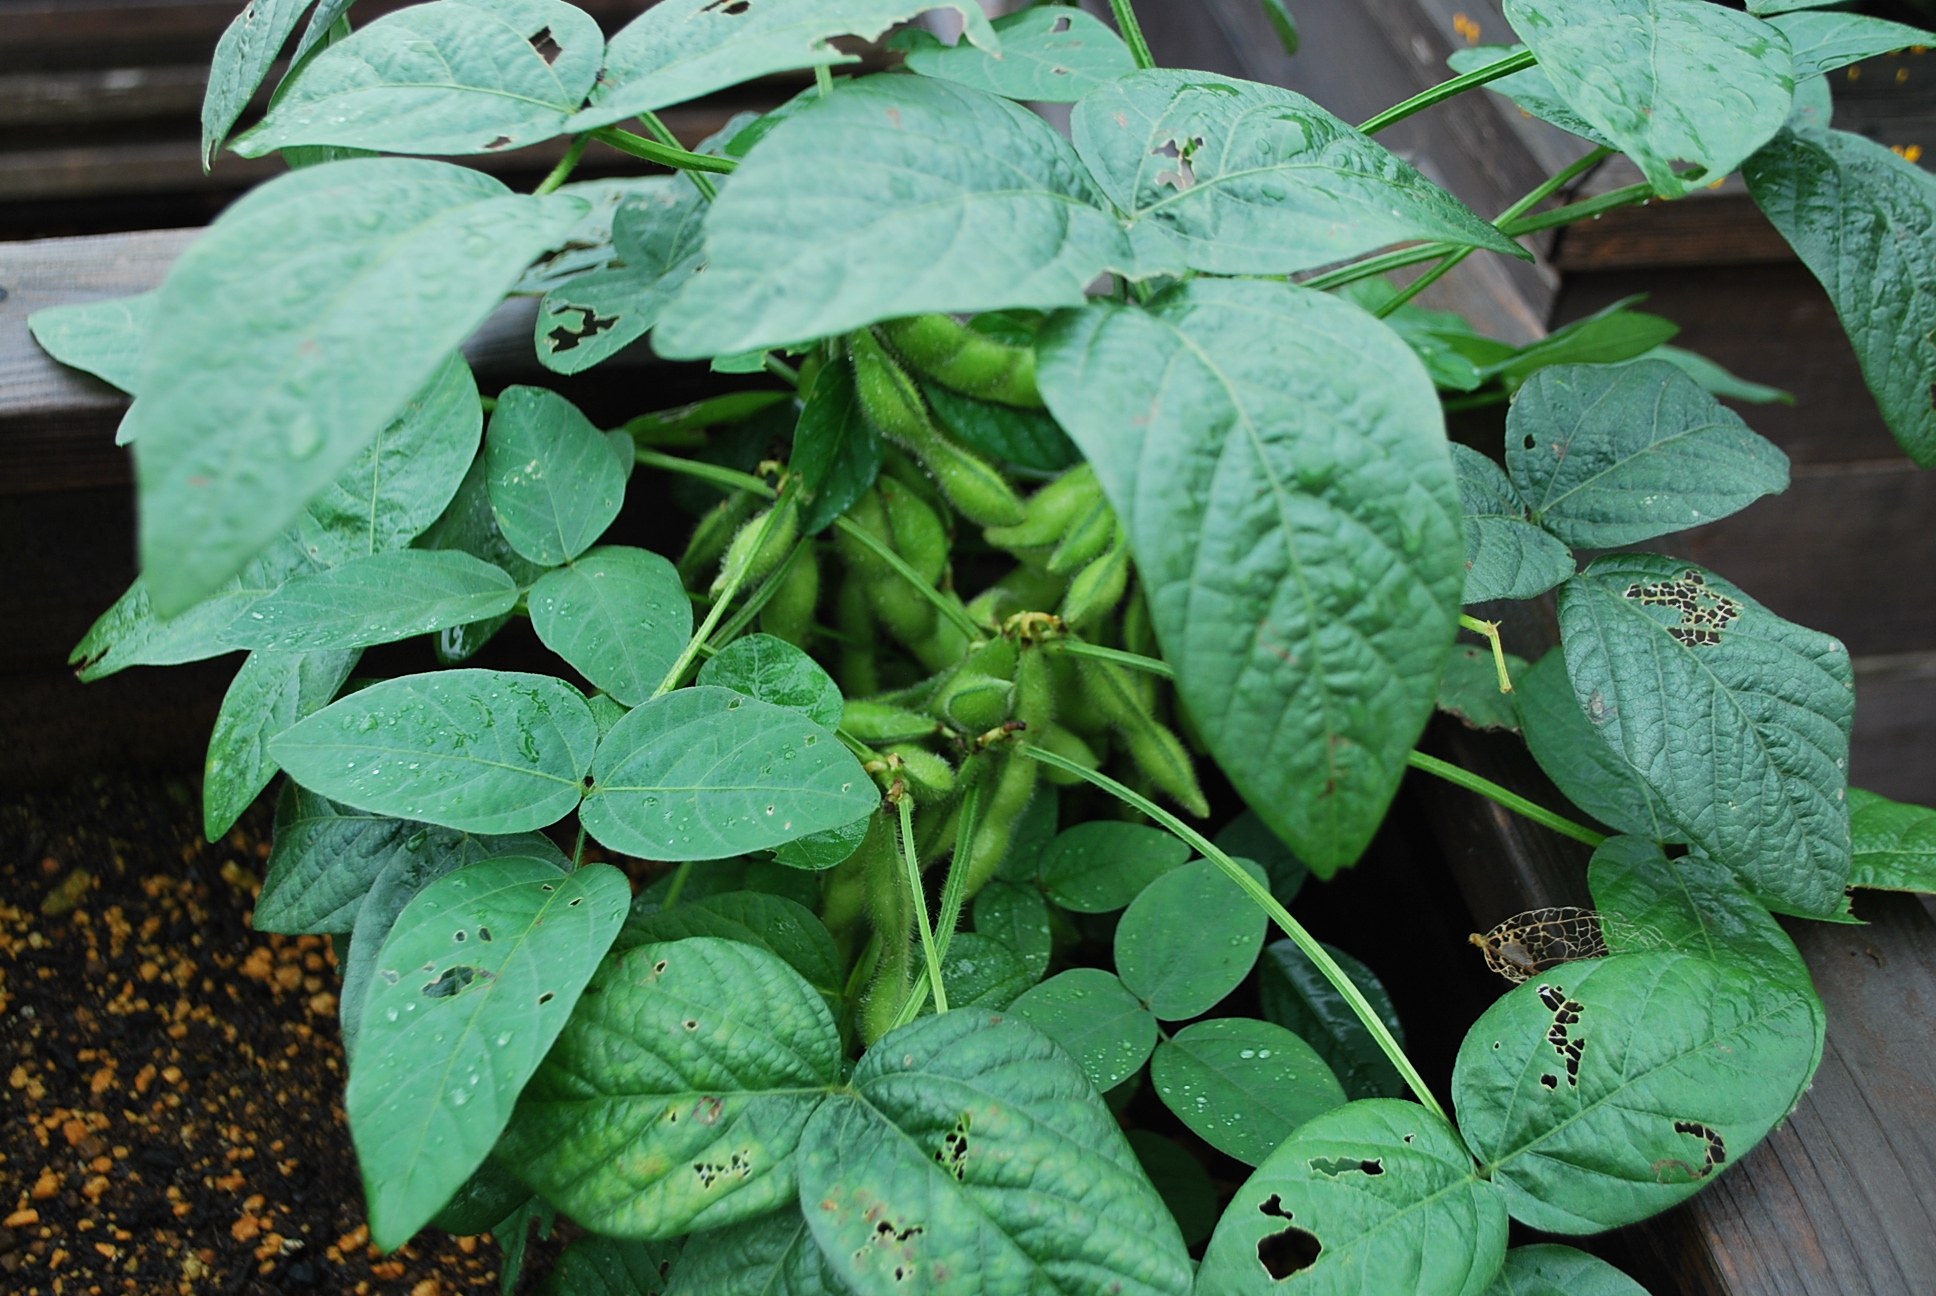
{"x": 1131, "y": 661}
{"x": 906, "y": 809}
{"x": 566, "y": 165}
{"x": 713, "y": 614}
{"x": 1511, "y": 800}
{"x": 1490, "y": 629}
{"x": 670, "y": 155}
{"x": 1444, "y": 90}
{"x": 1132, "y": 33}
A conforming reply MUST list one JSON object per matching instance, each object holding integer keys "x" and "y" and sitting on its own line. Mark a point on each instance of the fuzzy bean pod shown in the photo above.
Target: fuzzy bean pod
{"x": 758, "y": 548}
{"x": 1158, "y": 752}
{"x": 875, "y": 723}
{"x": 858, "y": 668}
{"x": 928, "y": 776}
{"x": 1098, "y": 588}
{"x": 714, "y": 532}
{"x": 965, "y": 360}
{"x": 890, "y": 907}
{"x": 788, "y": 614}
{"x": 1051, "y": 511}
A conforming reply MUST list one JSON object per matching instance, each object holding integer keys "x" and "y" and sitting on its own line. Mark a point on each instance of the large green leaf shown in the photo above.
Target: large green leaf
{"x": 243, "y": 56}
{"x": 1102, "y": 865}
{"x": 555, "y": 484}
{"x": 469, "y": 524}
{"x": 271, "y": 692}
{"x": 454, "y": 76}
{"x": 1506, "y": 556}
{"x": 1859, "y": 217}
{"x": 1045, "y": 56}
{"x": 770, "y": 922}
{"x": 676, "y": 1097}
{"x": 1737, "y": 721}
{"x": 656, "y": 235}
{"x": 1279, "y": 459}
{"x": 681, "y": 49}
{"x": 836, "y": 450}
{"x": 1374, "y": 1196}
{"x": 332, "y": 294}
{"x": 774, "y": 1255}
{"x": 1294, "y": 994}
{"x": 602, "y": 1266}
{"x": 1594, "y": 777}
{"x": 1189, "y": 938}
{"x": 1530, "y": 89}
{"x": 102, "y": 337}
{"x": 1018, "y": 917}
{"x": 1548, "y": 1269}
{"x": 1242, "y": 1085}
{"x": 619, "y": 615}
{"x": 373, "y": 600}
{"x": 703, "y": 773}
{"x": 1096, "y": 1020}
{"x": 971, "y": 1155}
{"x": 1609, "y": 455}
{"x": 1895, "y": 844}
{"x": 950, "y": 200}
{"x": 1823, "y": 42}
{"x": 773, "y": 670}
{"x": 1246, "y": 178}
{"x": 484, "y": 751}
{"x": 1614, "y": 1088}
{"x": 1664, "y": 80}
{"x": 475, "y": 980}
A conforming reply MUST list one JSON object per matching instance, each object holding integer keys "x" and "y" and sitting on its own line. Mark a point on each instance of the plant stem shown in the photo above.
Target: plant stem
{"x": 1606, "y": 202}
{"x": 1490, "y": 629}
{"x": 906, "y": 809}
{"x": 678, "y": 885}
{"x": 780, "y": 369}
{"x": 1132, "y": 661}
{"x": 566, "y": 165}
{"x": 1132, "y": 33}
{"x": 755, "y": 602}
{"x": 1447, "y": 89}
{"x": 1377, "y": 265}
{"x": 1511, "y": 800}
{"x": 663, "y": 133}
{"x": 670, "y": 155}
{"x": 823, "y": 79}
{"x": 731, "y": 478}
{"x": 713, "y": 614}
{"x": 1261, "y": 896}
{"x": 578, "y": 850}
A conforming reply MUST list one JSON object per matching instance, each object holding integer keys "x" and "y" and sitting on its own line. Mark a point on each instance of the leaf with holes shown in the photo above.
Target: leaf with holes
{"x": 373, "y": 600}
{"x": 478, "y": 750}
{"x": 333, "y": 293}
{"x": 951, "y": 200}
{"x": 473, "y": 983}
{"x": 1244, "y": 1086}
{"x": 773, "y": 923}
{"x": 1294, "y": 994}
{"x": 1470, "y": 689}
{"x": 774, "y": 1255}
{"x": 1374, "y": 1196}
{"x": 683, "y": 49}
{"x": 1609, "y": 455}
{"x": 1895, "y": 844}
{"x": 453, "y": 76}
{"x": 1614, "y": 1088}
{"x": 1825, "y": 42}
{"x": 1096, "y": 1020}
{"x": 1100, "y": 866}
{"x": 656, "y": 235}
{"x": 602, "y": 1266}
{"x": 1860, "y": 218}
{"x": 1737, "y": 721}
{"x": 705, "y": 772}
{"x": 1181, "y": 969}
{"x": 836, "y": 450}
{"x": 555, "y": 484}
{"x": 1243, "y": 178}
{"x": 1548, "y": 1269}
{"x": 675, "y": 1098}
{"x": 619, "y": 615}
{"x": 1279, "y": 460}
{"x": 1664, "y": 80}
{"x": 1018, "y": 917}
{"x": 102, "y": 337}
{"x": 971, "y": 1155}
{"x": 1530, "y": 90}
{"x": 773, "y": 670}
{"x": 1570, "y": 750}
{"x": 271, "y": 692}
{"x": 1045, "y": 56}
{"x": 1506, "y": 556}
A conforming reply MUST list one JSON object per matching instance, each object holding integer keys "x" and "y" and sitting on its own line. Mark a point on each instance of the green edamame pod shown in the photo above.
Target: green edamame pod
{"x": 1051, "y": 511}
{"x": 907, "y": 616}
{"x": 971, "y": 702}
{"x": 843, "y": 889}
{"x": 1034, "y": 689}
{"x": 1002, "y": 806}
{"x": 890, "y": 907}
{"x": 1139, "y": 637}
{"x": 1067, "y": 745}
{"x": 758, "y": 548}
{"x": 1026, "y": 589}
{"x": 965, "y": 360}
{"x": 928, "y": 776}
{"x": 896, "y": 466}
{"x": 858, "y": 667}
{"x": 949, "y": 642}
{"x": 1157, "y": 751}
{"x": 1086, "y": 539}
{"x": 875, "y": 723}
{"x": 712, "y": 535}
{"x": 1098, "y": 588}
{"x": 788, "y": 614}
{"x": 919, "y": 535}
{"x": 1074, "y": 708}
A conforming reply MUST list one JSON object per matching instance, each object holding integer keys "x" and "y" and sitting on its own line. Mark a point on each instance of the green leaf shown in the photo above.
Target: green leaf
{"x": 373, "y": 600}
{"x": 971, "y": 1155}
{"x": 102, "y": 337}
{"x": 1294, "y": 994}
{"x": 555, "y": 485}
{"x": 1505, "y": 555}
{"x": 1548, "y": 1269}
{"x": 1045, "y": 56}
{"x": 243, "y": 57}
{"x": 823, "y": 850}
{"x": 455, "y": 76}
{"x": 1737, "y": 720}
{"x": 1279, "y": 14}
{"x": 1895, "y": 844}
{"x": 676, "y": 1096}
{"x": 1594, "y": 776}
{"x": 703, "y": 773}
{"x": 1610, "y": 455}
{"x": 774, "y": 1255}
{"x": 1614, "y": 1088}
{"x": 1024, "y": 437}
{"x": 980, "y": 972}
{"x": 1664, "y": 80}
{"x": 1767, "y": 7}
{"x": 1180, "y": 1180}
{"x": 950, "y": 200}
{"x": 836, "y": 450}
{"x": 773, "y": 670}
{"x": 1244, "y": 178}
{"x": 473, "y": 983}
{"x": 483, "y": 751}
{"x": 1469, "y": 689}
{"x": 1608, "y": 336}
{"x": 1018, "y": 917}
{"x": 271, "y": 692}
{"x": 683, "y": 49}
{"x": 1691, "y": 904}
{"x": 619, "y": 615}
{"x": 1824, "y": 42}
{"x": 1242, "y": 1085}
{"x": 602, "y": 1266}
{"x": 1374, "y": 1196}
{"x": 333, "y": 294}
{"x": 468, "y": 524}
{"x": 1096, "y": 1020}
{"x": 1249, "y": 837}
{"x": 1530, "y": 90}
{"x": 1858, "y": 216}
{"x": 656, "y": 235}
{"x": 1182, "y": 969}
{"x": 1279, "y": 461}
{"x": 1718, "y": 381}
{"x": 773, "y": 923}
{"x": 487, "y": 1198}
{"x": 1100, "y": 866}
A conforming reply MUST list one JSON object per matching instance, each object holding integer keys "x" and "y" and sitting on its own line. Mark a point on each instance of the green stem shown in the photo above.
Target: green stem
{"x": 1132, "y": 33}
{"x": 823, "y": 79}
{"x": 1377, "y": 265}
{"x": 1129, "y": 660}
{"x": 730, "y": 478}
{"x": 578, "y": 850}
{"x": 921, "y": 906}
{"x": 1261, "y": 896}
{"x": 1424, "y": 281}
{"x": 566, "y": 165}
{"x": 1606, "y": 202}
{"x": 1558, "y": 181}
{"x": 713, "y": 614}
{"x": 780, "y": 369}
{"x": 756, "y": 602}
{"x": 678, "y": 885}
{"x": 1511, "y": 800}
{"x": 1490, "y": 629}
{"x": 663, "y": 133}
{"x": 670, "y": 155}
{"x": 1448, "y": 89}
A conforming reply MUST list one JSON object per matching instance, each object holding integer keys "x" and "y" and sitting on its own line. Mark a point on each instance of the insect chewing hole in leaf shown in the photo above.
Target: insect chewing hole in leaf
{"x": 454, "y": 981}
{"x": 1715, "y": 1153}
{"x": 1332, "y": 1167}
{"x": 1288, "y": 1250}
{"x": 484, "y": 934}
{"x": 546, "y": 998}
{"x": 954, "y": 1147}
{"x": 498, "y": 143}
{"x": 566, "y": 337}
{"x": 1184, "y": 176}
{"x": 1704, "y": 613}
{"x": 547, "y": 48}
{"x": 1566, "y": 1015}
{"x": 736, "y": 1166}
{"x": 734, "y": 7}
{"x": 1532, "y": 942}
